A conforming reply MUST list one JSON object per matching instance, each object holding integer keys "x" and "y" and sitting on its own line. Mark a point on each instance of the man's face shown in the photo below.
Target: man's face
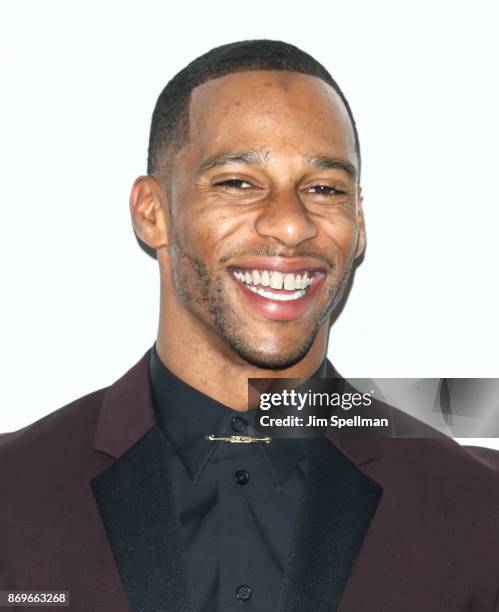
{"x": 264, "y": 213}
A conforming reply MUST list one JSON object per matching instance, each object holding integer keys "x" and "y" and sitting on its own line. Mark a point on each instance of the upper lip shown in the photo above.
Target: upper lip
{"x": 280, "y": 264}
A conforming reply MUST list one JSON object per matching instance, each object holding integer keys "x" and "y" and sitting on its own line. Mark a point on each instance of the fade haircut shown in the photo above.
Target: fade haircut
{"x": 170, "y": 119}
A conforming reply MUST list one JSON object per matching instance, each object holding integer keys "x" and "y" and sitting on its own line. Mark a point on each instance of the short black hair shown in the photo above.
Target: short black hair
{"x": 170, "y": 119}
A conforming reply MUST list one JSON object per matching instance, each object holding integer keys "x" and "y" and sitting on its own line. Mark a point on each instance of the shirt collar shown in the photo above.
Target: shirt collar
{"x": 186, "y": 416}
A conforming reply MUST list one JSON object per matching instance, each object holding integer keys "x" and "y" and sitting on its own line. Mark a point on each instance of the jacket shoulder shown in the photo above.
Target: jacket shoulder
{"x": 440, "y": 456}
{"x": 57, "y": 439}
{"x": 488, "y": 457}
{"x": 442, "y": 472}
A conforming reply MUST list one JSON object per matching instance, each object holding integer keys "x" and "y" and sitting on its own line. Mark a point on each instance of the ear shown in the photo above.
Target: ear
{"x": 361, "y": 242}
{"x": 148, "y": 212}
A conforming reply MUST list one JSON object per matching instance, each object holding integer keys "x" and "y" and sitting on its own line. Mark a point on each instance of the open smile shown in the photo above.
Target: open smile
{"x": 272, "y": 284}
{"x": 277, "y": 291}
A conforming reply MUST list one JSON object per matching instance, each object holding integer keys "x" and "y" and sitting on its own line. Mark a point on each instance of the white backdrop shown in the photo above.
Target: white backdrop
{"x": 79, "y": 300}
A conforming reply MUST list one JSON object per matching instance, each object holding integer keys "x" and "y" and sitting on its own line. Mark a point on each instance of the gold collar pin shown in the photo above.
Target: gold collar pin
{"x": 237, "y": 439}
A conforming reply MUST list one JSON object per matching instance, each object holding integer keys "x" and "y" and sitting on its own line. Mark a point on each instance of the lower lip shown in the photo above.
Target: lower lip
{"x": 278, "y": 310}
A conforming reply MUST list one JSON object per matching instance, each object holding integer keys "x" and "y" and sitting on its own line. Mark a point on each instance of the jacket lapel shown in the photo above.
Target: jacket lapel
{"x": 337, "y": 508}
{"x": 136, "y": 503}
{"x": 135, "y": 498}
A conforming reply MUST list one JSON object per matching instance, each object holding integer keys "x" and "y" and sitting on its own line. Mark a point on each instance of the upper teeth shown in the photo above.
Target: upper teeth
{"x": 274, "y": 279}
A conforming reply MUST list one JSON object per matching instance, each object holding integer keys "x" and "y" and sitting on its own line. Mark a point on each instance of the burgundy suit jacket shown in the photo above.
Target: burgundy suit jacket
{"x": 395, "y": 525}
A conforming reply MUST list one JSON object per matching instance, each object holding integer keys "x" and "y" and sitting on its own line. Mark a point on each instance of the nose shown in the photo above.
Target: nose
{"x": 286, "y": 220}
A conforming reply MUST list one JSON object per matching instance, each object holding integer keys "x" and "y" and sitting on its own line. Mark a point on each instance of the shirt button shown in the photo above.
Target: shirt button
{"x": 239, "y": 424}
{"x": 242, "y": 478}
{"x": 243, "y": 592}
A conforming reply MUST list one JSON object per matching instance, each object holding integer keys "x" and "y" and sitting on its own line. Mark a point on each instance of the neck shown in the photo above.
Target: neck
{"x": 201, "y": 358}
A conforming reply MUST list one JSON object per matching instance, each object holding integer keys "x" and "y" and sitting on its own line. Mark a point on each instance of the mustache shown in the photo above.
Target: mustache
{"x": 282, "y": 252}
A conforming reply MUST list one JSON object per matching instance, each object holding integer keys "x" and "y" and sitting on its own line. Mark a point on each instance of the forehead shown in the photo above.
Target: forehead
{"x": 271, "y": 109}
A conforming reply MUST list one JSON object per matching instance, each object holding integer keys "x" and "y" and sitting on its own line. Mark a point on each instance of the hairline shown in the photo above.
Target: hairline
{"x": 173, "y": 148}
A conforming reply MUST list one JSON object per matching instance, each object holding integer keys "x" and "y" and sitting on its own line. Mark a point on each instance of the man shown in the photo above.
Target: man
{"x": 252, "y": 205}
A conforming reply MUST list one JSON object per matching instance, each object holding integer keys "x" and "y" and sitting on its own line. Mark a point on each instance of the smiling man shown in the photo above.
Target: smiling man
{"x": 254, "y": 211}
{"x": 252, "y": 206}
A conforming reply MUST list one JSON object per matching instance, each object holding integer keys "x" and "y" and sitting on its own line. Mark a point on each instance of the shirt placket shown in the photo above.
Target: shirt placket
{"x": 236, "y": 575}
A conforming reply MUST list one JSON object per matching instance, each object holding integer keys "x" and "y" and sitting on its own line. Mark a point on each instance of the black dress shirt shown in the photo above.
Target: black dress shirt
{"x": 237, "y": 503}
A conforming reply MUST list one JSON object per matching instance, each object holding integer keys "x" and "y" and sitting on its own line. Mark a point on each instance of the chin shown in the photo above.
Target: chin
{"x": 271, "y": 362}
{"x": 275, "y": 358}
{"x": 270, "y": 345}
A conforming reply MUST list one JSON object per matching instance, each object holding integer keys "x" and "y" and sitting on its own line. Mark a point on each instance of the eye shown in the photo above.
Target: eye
{"x": 235, "y": 184}
{"x": 325, "y": 190}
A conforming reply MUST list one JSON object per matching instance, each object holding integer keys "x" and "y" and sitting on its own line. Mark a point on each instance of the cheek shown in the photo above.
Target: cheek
{"x": 342, "y": 233}
{"x": 208, "y": 233}
{"x": 195, "y": 235}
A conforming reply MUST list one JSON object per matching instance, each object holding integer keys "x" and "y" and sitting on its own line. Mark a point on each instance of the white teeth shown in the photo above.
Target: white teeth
{"x": 289, "y": 282}
{"x": 276, "y": 280}
{"x": 283, "y": 297}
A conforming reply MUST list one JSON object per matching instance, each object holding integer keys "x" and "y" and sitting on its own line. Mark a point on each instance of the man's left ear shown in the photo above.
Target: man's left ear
{"x": 361, "y": 242}
{"x": 148, "y": 212}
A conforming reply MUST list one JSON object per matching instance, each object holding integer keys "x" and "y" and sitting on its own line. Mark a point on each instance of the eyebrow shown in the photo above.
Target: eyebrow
{"x": 250, "y": 158}
{"x": 262, "y": 158}
{"x": 326, "y": 162}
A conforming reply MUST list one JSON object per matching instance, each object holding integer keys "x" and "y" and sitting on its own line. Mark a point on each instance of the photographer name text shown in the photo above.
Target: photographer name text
{"x": 314, "y": 421}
